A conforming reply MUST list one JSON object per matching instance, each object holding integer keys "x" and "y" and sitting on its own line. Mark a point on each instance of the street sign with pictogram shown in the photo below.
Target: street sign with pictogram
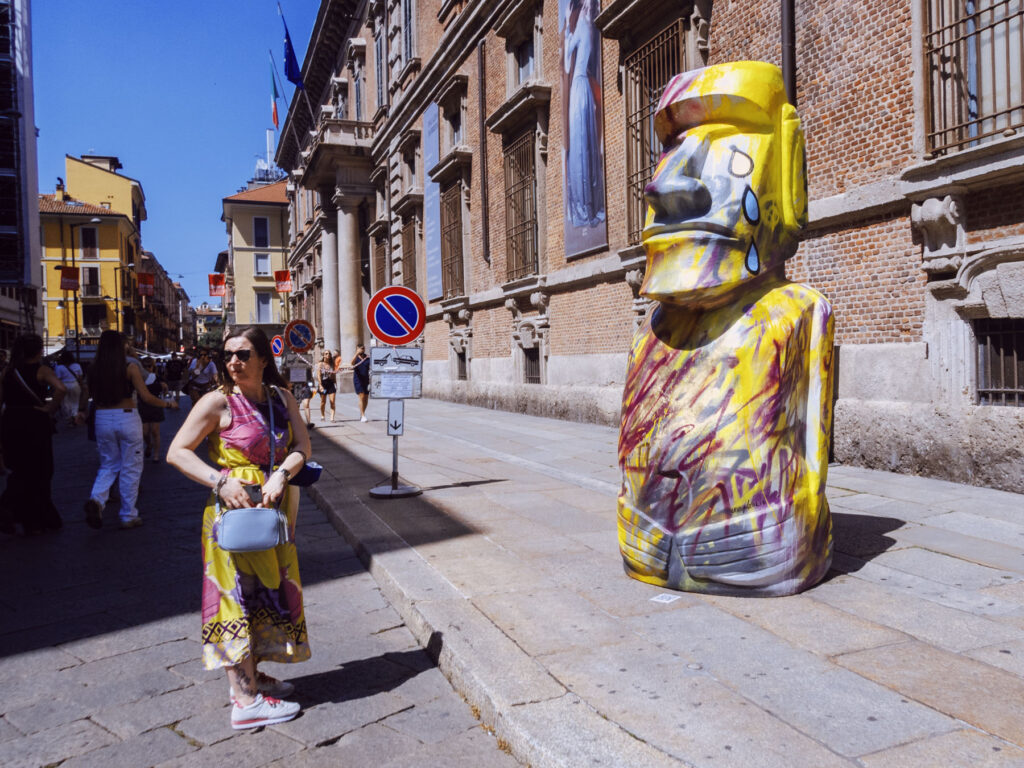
{"x": 299, "y": 335}
{"x": 277, "y": 346}
{"x": 396, "y": 315}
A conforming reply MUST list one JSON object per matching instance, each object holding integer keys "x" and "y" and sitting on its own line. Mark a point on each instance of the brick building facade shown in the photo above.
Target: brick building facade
{"x": 432, "y": 153}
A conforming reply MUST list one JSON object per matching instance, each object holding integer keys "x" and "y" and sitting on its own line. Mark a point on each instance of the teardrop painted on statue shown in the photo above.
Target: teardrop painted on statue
{"x": 751, "y": 209}
{"x": 753, "y": 260}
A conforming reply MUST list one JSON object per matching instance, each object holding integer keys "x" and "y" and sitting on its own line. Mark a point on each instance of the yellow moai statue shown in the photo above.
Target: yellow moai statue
{"x": 727, "y": 406}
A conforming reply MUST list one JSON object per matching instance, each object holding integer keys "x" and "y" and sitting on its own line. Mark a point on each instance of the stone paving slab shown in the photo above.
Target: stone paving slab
{"x": 815, "y": 666}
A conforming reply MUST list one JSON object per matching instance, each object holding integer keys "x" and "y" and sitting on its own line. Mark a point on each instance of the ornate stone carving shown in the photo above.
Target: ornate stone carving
{"x": 941, "y": 224}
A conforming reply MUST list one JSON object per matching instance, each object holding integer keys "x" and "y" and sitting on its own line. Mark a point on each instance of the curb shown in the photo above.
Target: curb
{"x": 532, "y": 714}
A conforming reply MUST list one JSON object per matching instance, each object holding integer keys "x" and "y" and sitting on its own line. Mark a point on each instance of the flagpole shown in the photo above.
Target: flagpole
{"x": 291, "y": 62}
{"x": 273, "y": 63}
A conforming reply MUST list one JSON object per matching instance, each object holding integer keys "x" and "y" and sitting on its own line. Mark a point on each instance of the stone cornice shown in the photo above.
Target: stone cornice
{"x": 521, "y": 107}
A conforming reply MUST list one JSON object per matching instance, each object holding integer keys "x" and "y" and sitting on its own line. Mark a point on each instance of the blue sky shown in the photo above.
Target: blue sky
{"x": 180, "y": 92}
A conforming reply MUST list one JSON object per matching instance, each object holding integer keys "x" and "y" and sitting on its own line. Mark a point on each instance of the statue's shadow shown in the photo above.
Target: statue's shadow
{"x": 861, "y": 538}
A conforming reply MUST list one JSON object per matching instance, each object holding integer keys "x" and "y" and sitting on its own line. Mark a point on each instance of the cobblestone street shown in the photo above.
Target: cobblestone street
{"x": 100, "y": 654}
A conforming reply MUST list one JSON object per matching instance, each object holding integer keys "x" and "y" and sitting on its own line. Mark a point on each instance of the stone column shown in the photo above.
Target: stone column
{"x": 350, "y": 289}
{"x": 329, "y": 294}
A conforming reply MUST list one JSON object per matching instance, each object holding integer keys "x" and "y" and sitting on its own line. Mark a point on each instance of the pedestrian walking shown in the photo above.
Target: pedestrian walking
{"x": 252, "y": 602}
{"x": 110, "y": 382}
{"x": 361, "y": 378}
{"x": 151, "y": 416}
{"x": 70, "y": 374}
{"x": 26, "y": 435}
{"x": 327, "y": 382}
{"x": 174, "y": 372}
{"x": 202, "y": 376}
{"x": 302, "y": 388}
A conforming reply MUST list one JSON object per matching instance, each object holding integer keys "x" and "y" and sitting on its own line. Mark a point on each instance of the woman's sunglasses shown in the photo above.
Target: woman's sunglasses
{"x": 243, "y": 355}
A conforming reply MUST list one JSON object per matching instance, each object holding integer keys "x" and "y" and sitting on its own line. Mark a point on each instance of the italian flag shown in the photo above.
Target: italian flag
{"x": 273, "y": 100}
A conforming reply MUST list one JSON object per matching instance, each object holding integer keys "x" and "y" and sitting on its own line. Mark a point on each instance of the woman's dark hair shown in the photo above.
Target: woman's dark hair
{"x": 261, "y": 344}
{"x": 108, "y": 374}
{"x": 65, "y": 358}
{"x": 25, "y": 347}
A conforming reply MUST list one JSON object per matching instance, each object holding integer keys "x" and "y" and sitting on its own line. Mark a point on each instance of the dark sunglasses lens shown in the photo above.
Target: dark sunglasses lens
{"x": 242, "y": 354}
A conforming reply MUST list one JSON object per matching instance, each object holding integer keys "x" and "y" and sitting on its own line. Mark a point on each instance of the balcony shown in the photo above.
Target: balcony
{"x": 335, "y": 143}
{"x": 91, "y": 291}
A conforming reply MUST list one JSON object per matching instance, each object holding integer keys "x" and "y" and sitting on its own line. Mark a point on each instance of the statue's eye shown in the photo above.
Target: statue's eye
{"x": 740, "y": 164}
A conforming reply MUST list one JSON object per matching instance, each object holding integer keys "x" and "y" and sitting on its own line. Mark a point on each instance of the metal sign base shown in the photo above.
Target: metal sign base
{"x": 394, "y": 490}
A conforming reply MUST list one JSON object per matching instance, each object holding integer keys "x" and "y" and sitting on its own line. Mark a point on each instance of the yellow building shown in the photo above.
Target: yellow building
{"x": 257, "y": 226}
{"x": 92, "y": 224}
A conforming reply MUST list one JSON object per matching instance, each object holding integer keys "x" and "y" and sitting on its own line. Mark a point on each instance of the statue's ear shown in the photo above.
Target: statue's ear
{"x": 794, "y": 170}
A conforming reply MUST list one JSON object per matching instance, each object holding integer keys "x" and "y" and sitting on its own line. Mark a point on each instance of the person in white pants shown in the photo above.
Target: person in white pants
{"x": 111, "y": 381}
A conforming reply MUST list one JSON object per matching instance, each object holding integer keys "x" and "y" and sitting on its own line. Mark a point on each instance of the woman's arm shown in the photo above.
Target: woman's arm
{"x": 45, "y": 375}
{"x": 144, "y": 394}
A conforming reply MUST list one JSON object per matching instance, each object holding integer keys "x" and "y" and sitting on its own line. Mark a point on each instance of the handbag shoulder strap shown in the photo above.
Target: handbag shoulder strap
{"x": 28, "y": 388}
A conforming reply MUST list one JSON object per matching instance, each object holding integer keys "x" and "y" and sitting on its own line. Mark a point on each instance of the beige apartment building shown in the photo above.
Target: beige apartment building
{"x": 493, "y": 155}
{"x": 256, "y": 220}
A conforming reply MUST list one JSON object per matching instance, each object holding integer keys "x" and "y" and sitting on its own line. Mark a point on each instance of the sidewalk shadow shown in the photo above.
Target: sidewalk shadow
{"x": 862, "y": 538}
{"x": 362, "y": 678}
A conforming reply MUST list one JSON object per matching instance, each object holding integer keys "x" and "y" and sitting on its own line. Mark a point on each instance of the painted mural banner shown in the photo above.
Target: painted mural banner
{"x": 217, "y": 284}
{"x": 727, "y": 407}
{"x": 582, "y": 126}
{"x": 432, "y": 206}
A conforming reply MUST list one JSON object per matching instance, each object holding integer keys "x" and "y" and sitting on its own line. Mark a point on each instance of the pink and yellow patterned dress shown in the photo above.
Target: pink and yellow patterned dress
{"x": 252, "y": 602}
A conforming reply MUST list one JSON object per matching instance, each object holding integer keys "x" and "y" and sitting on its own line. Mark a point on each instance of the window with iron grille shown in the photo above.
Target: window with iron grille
{"x": 1000, "y": 361}
{"x": 380, "y": 265}
{"x": 531, "y": 365}
{"x": 646, "y": 73}
{"x": 973, "y": 50}
{"x": 461, "y": 367}
{"x": 451, "y": 241}
{"x": 521, "y": 206}
{"x": 409, "y": 253}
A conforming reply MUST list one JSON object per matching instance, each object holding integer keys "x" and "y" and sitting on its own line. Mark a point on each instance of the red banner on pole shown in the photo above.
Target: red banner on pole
{"x": 283, "y": 278}
{"x": 217, "y": 284}
{"x": 69, "y": 278}
{"x": 146, "y": 284}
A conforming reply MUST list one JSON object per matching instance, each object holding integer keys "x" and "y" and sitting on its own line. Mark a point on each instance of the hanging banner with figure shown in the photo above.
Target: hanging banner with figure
{"x": 217, "y": 285}
{"x": 146, "y": 284}
{"x": 582, "y": 126}
{"x": 283, "y": 280}
{"x": 69, "y": 278}
{"x": 432, "y": 206}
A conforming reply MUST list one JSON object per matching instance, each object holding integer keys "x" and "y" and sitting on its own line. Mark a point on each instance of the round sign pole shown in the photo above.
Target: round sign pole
{"x": 395, "y": 315}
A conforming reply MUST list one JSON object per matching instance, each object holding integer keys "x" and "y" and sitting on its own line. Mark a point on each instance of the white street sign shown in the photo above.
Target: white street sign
{"x": 396, "y": 417}
{"x": 396, "y": 359}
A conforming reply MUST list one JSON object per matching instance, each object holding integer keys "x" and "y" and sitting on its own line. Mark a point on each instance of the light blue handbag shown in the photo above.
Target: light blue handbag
{"x": 252, "y": 529}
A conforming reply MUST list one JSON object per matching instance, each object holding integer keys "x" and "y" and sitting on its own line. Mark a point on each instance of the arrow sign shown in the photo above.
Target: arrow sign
{"x": 396, "y": 417}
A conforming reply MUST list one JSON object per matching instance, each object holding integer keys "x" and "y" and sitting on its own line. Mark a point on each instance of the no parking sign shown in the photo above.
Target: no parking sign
{"x": 277, "y": 346}
{"x": 396, "y": 315}
{"x": 299, "y": 335}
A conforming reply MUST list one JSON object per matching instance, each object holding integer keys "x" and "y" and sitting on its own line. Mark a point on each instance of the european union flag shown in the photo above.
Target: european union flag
{"x": 291, "y": 65}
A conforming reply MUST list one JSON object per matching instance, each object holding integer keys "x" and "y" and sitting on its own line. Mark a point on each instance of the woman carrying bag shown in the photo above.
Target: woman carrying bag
{"x": 252, "y": 601}
{"x": 26, "y": 429}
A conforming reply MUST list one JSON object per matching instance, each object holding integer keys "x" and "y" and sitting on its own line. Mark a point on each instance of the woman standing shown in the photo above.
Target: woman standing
{"x": 110, "y": 382}
{"x": 152, "y": 417}
{"x": 26, "y": 431}
{"x": 327, "y": 383}
{"x": 361, "y": 378}
{"x": 252, "y": 602}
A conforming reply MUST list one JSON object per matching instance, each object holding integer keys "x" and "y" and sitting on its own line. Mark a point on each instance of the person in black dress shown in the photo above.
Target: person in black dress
{"x": 26, "y": 434}
{"x": 152, "y": 417}
{"x": 361, "y": 378}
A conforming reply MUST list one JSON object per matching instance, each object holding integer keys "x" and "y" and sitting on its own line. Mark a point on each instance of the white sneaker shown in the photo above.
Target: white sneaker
{"x": 363, "y": 418}
{"x": 265, "y": 710}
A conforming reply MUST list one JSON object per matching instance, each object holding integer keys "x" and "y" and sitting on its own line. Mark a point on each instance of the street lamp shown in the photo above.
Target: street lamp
{"x": 72, "y": 228}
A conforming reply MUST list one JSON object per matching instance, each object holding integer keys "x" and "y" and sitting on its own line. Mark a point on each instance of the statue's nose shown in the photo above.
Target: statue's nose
{"x": 676, "y": 193}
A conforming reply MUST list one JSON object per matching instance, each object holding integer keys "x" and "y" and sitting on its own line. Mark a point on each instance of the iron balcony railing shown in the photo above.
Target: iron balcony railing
{"x": 975, "y": 71}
